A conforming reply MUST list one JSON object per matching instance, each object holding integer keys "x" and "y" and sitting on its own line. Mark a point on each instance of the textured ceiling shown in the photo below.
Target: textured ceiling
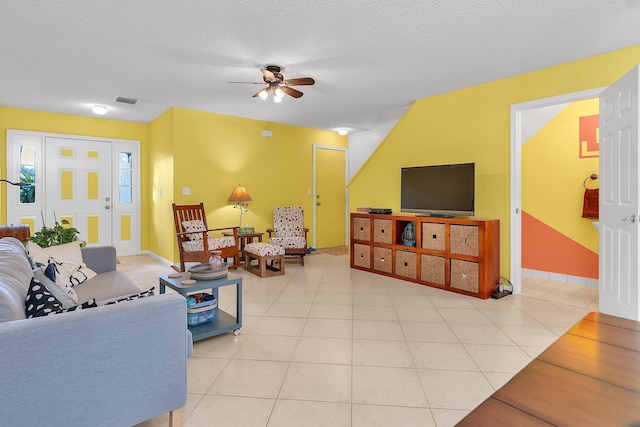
{"x": 367, "y": 57}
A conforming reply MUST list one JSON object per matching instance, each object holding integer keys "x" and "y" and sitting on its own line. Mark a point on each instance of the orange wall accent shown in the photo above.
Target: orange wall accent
{"x": 589, "y": 136}
{"x": 546, "y": 249}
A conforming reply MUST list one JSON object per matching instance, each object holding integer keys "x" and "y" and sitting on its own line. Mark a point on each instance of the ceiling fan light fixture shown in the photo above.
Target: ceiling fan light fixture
{"x": 263, "y": 94}
{"x": 277, "y": 85}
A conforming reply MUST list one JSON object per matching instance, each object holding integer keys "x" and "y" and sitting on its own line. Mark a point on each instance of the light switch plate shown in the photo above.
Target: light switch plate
{"x": 186, "y": 191}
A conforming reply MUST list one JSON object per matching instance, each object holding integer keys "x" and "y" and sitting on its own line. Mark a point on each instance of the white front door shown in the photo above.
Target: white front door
{"x": 619, "y": 194}
{"x": 78, "y": 187}
{"x": 92, "y": 182}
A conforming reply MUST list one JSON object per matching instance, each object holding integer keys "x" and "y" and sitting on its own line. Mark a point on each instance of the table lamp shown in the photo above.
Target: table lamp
{"x": 240, "y": 196}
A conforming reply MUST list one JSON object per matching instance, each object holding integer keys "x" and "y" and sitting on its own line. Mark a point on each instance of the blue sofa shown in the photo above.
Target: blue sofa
{"x": 112, "y": 365}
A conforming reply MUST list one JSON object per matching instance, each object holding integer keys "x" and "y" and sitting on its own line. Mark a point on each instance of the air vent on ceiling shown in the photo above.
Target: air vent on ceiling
{"x": 124, "y": 100}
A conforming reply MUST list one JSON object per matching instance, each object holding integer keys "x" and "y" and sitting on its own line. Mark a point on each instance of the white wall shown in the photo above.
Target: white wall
{"x": 376, "y": 128}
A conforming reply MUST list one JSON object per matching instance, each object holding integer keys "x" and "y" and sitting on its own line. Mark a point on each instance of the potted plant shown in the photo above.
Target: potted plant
{"x": 59, "y": 234}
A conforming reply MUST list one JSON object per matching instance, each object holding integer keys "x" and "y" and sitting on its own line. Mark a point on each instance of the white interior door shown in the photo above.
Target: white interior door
{"x": 78, "y": 187}
{"x": 619, "y": 194}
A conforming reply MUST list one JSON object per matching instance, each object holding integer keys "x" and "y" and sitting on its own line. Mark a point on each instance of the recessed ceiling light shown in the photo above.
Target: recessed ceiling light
{"x": 343, "y": 132}
{"x": 100, "y": 110}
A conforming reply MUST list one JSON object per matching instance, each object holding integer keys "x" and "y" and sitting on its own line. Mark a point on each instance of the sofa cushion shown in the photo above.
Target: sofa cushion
{"x": 67, "y": 258}
{"x": 14, "y": 265}
{"x": 11, "y": 305}
{"x": 40, "y": 302}
{"x": 60, "y": 289}
{"x": 106, "y": 286}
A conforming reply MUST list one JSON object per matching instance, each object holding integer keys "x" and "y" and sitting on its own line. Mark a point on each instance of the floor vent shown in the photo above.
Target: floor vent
{"x": 124, "y": 100}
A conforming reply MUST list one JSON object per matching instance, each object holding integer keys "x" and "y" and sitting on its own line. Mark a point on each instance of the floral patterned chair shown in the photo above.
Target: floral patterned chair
{"x": 289, "y": 232}
{"x": 191, "y": 230}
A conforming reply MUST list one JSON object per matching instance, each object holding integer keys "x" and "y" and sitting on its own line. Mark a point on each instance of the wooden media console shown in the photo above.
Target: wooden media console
{"x": 456, "y": 254}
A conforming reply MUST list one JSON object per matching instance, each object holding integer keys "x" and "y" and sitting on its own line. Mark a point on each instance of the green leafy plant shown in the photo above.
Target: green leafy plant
{"x": 27, "y": 193}
{"x": 59, "y": 234}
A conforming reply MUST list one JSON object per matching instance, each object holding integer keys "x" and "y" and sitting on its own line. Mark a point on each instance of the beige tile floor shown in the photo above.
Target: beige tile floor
{"x": 325, "y": 345}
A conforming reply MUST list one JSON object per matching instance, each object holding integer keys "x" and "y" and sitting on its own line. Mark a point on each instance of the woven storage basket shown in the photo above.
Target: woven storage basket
{"x": 382, "y": 230}
{"x": 464, "y": 239}
{"x": 433, "y": 236}
{"x": 432, "y": 269}
{"x": 464, "y": 275}
{"x": 382, "y": 259}
{"x": 362, "y": 255}
{"x": 406, "y": 264}
{"x": 362, "y": 229}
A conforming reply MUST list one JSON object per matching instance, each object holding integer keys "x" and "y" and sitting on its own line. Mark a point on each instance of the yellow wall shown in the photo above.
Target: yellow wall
{"x": 160, "y": 224}
{"x": 473, "y": 125}
{"x": 210, "y": 153}
{"x": 39, "y": 121}
{"x": 553, "y": 175}
{"x": 213, "y": 153}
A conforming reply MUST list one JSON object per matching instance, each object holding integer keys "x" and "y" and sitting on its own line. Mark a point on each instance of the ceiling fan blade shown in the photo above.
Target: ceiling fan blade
{"x": 249, "y": 83}
{"x": 268, "y": 76}
{"x": 291, "y": 91}
{"x": 302, "y": 81}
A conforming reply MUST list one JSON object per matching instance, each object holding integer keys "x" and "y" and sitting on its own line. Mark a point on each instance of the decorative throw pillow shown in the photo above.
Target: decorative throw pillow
{"x": 67, "y": 259}
{"x": 144, "y": 294}
{"x": 89, "y": 304}
{"x": 61, "y": 290}
{"x": 40, "y": 302}
{"x": 192, "y": 226}
{"x": 69, "y": 252}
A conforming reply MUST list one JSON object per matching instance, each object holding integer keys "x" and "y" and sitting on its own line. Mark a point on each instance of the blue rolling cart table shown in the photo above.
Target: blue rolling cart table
{"x": 222, "y": 321}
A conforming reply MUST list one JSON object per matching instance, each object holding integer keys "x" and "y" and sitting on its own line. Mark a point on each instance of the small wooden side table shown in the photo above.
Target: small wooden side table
{"x": 243, "y": 240}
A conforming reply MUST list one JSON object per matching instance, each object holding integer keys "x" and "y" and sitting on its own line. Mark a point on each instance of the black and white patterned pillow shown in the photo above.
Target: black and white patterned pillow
{"x": 89, "y": 304}
{"x": 40, "y": 302}
{"x": 144, "y": 294}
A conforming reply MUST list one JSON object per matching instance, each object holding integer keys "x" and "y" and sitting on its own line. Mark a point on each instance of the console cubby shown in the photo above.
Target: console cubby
{"x": 382, "y": 230}
{"x": 457, "y": 254}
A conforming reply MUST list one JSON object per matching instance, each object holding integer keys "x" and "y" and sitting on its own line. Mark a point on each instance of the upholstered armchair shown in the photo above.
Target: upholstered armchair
{"x": 196, "y": 240}
{"x": 289, "y": 232}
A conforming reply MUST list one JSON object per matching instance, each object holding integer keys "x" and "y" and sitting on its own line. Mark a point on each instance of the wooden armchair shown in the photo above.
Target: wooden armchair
{"x": 195, "y": 241}
{"x": 289, "y": 231}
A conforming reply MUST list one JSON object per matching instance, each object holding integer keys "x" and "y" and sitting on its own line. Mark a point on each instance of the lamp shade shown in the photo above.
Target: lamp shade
{"x": 240, "y": 194}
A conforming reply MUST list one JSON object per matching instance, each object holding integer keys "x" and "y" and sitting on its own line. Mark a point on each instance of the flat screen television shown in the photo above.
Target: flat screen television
{"x": 438, "y": 190}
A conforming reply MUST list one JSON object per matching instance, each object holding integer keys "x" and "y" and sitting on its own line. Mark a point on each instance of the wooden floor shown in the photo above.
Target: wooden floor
{"x": 336, "y": 250}
{"x": 589, "y": 377}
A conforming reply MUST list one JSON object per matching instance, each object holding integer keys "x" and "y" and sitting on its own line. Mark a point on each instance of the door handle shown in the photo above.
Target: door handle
{"x": 107, "y": 207}
{"x": 631, "y": 219}
{"x": 318, "y": 203}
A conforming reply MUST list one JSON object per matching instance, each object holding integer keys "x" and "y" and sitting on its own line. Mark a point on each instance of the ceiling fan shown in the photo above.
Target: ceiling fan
{"x": 277, "y": 85}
